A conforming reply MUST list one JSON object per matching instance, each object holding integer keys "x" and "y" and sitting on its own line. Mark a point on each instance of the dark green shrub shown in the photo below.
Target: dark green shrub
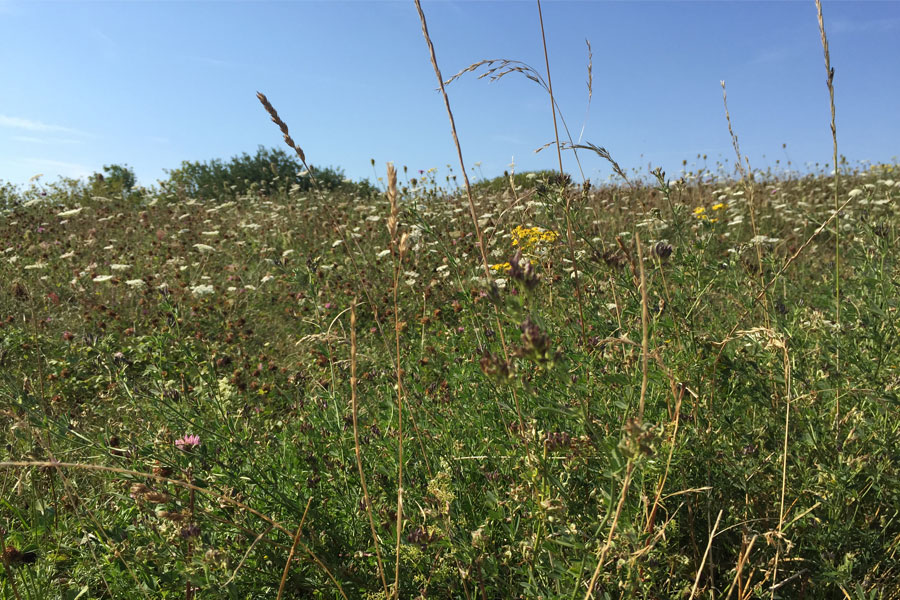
{"x": 267, "y": 171}
{"x": 9, "y": 195}
{"x": 527, "y": 179}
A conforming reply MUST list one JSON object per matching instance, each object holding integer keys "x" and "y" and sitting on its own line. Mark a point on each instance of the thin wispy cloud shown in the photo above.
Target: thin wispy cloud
{"x": 838, "y": 26}
{"x": 32, "y": 125}
{"x": 66, "y": 169}
{"x": 28, "y": 139}
{"x": 215, "y": 62}
{"x": 108, "y": 45}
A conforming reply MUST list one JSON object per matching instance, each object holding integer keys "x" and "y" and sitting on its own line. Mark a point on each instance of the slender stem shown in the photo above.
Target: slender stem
{"x": 569, "y": 235}
{"x": 645, "y": 330}
{"x": 398, "y": 250}
{"x": 829, "y": 70}
{"x": 612, "y": 530}
{"x": 472, "y": 212}
{"x": 287, "y": 564}
{"x": 712, "y": 535}
{"x": 787, "y": 424}
{"x": 362, "y": 476}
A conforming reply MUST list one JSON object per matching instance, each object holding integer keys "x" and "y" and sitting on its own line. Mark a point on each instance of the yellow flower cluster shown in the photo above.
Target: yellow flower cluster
{"x": 700, "y": 212}
{"x": 502, "y": 267}
{"x": 529, "y": 238}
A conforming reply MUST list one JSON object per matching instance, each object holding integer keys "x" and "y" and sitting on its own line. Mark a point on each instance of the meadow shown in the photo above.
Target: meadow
{"x": 260, "y": 381}
{"x": 712, "y": 429}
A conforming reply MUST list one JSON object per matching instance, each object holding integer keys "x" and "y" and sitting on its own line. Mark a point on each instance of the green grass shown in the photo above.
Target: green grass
{"x": 110, "y": 372}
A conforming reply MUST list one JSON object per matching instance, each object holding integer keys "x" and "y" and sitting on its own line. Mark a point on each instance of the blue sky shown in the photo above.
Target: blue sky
{"x": 153, "y": 83}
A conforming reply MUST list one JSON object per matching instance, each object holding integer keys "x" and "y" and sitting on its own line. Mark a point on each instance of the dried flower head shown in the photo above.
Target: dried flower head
{"x": 523, "y": 271}
{"x": 662, "y": 250}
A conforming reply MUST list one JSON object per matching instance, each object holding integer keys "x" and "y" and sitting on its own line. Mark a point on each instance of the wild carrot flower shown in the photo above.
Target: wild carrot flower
{"x": 188, "y": 442}
{"x": 70, "y": 213}
{"x": 203, "y": 290}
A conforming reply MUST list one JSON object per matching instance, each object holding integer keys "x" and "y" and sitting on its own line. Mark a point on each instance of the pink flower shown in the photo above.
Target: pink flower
{"x": 188, "y": 442}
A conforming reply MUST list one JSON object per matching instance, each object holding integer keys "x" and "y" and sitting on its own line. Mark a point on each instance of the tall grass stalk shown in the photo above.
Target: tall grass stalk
{"x": 287, "y": 563}
{"x": 742, "y": 560}
{"x": 784, "y": 453}
{"x": 709, "y": 543}
{"x": 829, "y": 80}
{"x": 569, "y": 236}
{"x": 748, "y": 191}
{"x": 335, "y": 223}
{"x": 358, "y": 451}
{"x": 398, "y": 249}
{"x": 472, "y": 211}
{"x": 645, "y": 328}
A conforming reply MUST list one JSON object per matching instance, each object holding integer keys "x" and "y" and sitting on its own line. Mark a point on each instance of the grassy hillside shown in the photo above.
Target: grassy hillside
{"x": 719, "y": 430}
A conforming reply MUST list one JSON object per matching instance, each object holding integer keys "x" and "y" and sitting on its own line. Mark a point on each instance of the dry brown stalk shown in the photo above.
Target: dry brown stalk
{"x": 742, "y": 559}
{"x": 339, "y": 230}
{"x": 590, "y": 88}
{"x": 246, "y": 554}
{"x": 284, "y": 129}
{"x": 287, "y": 564}
{"x": 837, "y": 180}
{"x": 662, "y": 483}
{"x": 356, "y": 445}
{"x": 748, "y": 187}
{"x": 398, "y": 246}
{"x": 550, "y": 87}
{"x": 787, "y": 423}
{"x": 645, "y": 325}
{"x": 640, "y": 278}
{"x": 570, "y": 242}
{"x": 472, "y": 212}
{"x": 602, "y": 153}
{"x": 712, "y": 535}
{"x": 629, "y": 468}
